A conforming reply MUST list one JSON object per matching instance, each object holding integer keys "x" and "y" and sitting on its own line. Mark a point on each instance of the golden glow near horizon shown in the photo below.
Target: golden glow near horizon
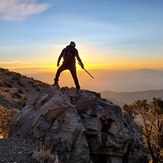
{"x": 90, "y": 56}
{"x": 50, "y": 65}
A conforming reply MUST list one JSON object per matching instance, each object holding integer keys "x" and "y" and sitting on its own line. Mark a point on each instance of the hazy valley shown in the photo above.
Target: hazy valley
{"x": 121, "y": 98}
{"x": 112, "y": 80}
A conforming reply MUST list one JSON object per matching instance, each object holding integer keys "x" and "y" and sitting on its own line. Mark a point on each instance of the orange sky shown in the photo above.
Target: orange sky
{"x": 46, "y": 65}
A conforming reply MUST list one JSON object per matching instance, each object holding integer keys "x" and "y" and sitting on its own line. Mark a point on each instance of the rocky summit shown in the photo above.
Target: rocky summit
{"x": 79, "y": 127}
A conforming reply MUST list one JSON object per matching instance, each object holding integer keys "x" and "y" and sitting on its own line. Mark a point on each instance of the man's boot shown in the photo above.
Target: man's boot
{"x": 56, "y": 85}
{"x": 78, "y": 89}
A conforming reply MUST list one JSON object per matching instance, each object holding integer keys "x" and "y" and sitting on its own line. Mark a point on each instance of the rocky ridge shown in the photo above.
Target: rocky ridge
{"x": 17, "y": 90}
{"x": 79, "y": 127}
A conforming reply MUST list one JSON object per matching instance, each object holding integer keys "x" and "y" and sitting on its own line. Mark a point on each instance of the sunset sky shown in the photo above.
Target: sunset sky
{"x": 110, "y": 34}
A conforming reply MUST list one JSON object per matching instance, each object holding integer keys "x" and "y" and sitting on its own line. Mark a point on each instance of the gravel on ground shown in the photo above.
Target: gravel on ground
{"x": 16, "y": 150}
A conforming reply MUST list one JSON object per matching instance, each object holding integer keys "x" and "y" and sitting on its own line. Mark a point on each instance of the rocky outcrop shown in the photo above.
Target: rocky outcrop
{"x": 79, "y": 128}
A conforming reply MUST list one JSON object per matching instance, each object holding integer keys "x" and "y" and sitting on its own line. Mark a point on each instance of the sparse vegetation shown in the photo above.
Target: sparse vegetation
{"x": 1, "y": 83}
{"x": 18, "y": 74}
{"x": 20, "y": 91}
{"x": 151, "y": 124}
{"x": 34, "y": 85}
{"x": 17, "y": 95}
{"x": 8, "y": 84}
{"x": 20, "y": 83}
{"x": 43, "y": 155}
{"x": 23, "y": 102}
{"x": 9, "y": 73}
{"x": 2, "y": 69}
{"x": 15, "y": 78}
{"x": 5, "y": 119}
{"x": 16, "y": 90}
{"x": 38, "y": 89}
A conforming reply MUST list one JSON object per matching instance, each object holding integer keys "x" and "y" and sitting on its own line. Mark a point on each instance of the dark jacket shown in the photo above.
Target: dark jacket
{"x": 71, "y": 61}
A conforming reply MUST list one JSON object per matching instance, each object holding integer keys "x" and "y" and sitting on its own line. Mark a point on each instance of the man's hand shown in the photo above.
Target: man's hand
{"x": 82, "y": 66}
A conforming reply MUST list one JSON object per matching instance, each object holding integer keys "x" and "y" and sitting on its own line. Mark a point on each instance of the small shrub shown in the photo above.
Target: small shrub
{"x": 20, "y": 83}
{"x": 35, "y": 86}
{"x": 20, "y": 91}
{"x": 43, "y": 155}
{"x": 8, "y": 84}
{"x": 17, "y": 94}
{"x": 38, "y": 89}
{"x": 15, "y": 78}
{"x": 18, "y": 74}
{"x": 23, "y": 102}
{"x": 8, "y": 73}
{"x": 30, "y": 82}
{"x": 5, "y": 119}
{"x": 2, "y": 70}
{"x": 1, "y": 83}
{"x": 32, "y": 78}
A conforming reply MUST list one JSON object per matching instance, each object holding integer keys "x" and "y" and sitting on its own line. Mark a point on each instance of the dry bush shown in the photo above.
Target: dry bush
{"x": 8, "y": 84}
{"x": 20, "y": 83}
{"x": 38, "y": 89}
{"x": 149, "y": 118}
{"x": 1, "y": 83}
{"x": 18, "y": 74}
{"x": 44, "y": 155}
{"x": 23, "y": 102}
{"x": 2, "y": 69}
{"x": 17, "y": 95}
{"x": 16, "y": 78}
{"x": 9, "y": 73}
{"x": 20, "y": 91}
{"x": 30, "y": 82}
{"x": 5, "y": 119}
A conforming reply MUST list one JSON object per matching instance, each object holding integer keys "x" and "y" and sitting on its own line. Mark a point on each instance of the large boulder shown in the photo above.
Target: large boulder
{"x": 80, "y": 128}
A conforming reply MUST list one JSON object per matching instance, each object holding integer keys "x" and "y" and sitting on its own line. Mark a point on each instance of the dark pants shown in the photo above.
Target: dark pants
{"x": 72, "y": 69}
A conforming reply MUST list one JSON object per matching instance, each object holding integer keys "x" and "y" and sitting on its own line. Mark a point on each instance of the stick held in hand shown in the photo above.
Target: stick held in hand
{"x": 87, "y": 72}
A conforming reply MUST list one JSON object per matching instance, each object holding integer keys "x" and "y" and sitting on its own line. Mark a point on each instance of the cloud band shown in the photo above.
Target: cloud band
{"x": 14, "y": 10}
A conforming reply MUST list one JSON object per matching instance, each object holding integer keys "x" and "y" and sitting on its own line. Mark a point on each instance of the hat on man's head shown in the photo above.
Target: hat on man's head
{"x": 72, "y": 43}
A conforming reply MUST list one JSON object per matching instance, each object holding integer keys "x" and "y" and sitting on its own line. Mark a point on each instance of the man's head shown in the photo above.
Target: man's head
{"x": 72, "y": 43}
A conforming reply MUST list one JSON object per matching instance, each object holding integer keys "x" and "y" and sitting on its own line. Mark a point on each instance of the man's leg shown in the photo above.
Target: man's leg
{"x": 60, "y": 69}
{"x": 73, "y": 73}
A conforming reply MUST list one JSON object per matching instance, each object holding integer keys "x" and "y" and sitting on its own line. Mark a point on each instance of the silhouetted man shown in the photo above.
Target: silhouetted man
{"x": 69, "y": 62}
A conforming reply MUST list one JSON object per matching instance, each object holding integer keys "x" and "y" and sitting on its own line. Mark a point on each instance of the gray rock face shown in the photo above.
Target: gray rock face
{"x": 80, "y": 128}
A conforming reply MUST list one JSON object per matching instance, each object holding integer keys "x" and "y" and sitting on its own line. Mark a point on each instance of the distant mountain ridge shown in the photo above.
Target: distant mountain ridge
{"x": 129, "y": 97}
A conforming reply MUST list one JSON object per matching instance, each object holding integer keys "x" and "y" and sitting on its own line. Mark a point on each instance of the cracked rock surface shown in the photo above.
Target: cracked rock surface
{"x": 79, "y": 127}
